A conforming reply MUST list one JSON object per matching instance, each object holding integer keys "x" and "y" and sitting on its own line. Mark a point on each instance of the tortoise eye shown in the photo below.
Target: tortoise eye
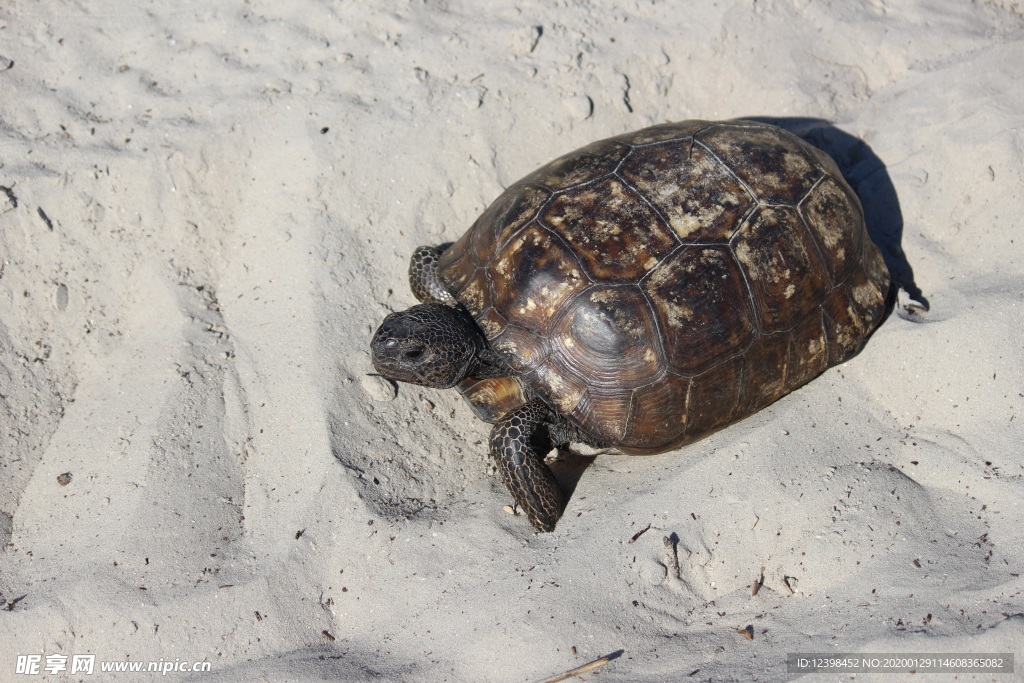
{"x": 414, "y": 353}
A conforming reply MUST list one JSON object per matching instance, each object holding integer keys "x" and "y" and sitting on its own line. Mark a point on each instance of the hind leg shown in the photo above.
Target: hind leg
{"x": 424, "y": 279}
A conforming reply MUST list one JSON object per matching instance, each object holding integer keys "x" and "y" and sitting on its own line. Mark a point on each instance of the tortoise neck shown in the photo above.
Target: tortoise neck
{"x": 489, "y": 365}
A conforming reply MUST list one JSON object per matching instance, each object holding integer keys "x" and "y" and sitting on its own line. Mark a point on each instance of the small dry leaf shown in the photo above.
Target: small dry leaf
{"x": 64, "y": 479}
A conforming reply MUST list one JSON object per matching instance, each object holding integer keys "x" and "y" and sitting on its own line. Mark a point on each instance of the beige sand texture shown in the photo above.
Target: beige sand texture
{"x": 207, "y": 208}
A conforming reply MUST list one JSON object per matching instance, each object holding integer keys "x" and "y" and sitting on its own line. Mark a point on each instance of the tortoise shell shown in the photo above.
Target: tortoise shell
{"x": 655, "y": 286}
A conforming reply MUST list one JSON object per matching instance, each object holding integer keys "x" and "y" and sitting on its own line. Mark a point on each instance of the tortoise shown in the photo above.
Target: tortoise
{"x": 639, "y": 293}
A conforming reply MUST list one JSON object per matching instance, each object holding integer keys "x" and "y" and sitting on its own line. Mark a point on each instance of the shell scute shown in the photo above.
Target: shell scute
{"x": 701, "y": 302}
{"x": 564, "y": 387}
{"x": 714, "y": 398}
{"x": 608, "y": 336}
{"x": 808, "y": 350}
{"x": 696, "y": 193}
{"x": 522, "y": 349}
{"x": 616, "y": 235}
{"x": 770, "y": 161}
{"x": 765, "y": 368}
{"x": 586, "y": 164}
{"x": 827, "y": 210}
{"x": 657, "y": 415}
{"x": 536, "y": 273}
{"x": 603, "y": 414}
{"x": 844, "y": 326}
{"x": 782, "y": 265}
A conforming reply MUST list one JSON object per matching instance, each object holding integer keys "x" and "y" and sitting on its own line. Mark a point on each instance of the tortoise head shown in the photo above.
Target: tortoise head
{"x": 431, "y": 345}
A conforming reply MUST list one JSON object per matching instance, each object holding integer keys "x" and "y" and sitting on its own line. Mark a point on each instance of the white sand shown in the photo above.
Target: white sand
{"x": 232, "y": 197}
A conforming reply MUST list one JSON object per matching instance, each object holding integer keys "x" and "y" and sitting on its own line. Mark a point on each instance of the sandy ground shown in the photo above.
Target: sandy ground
{"x": 206, "y": 208}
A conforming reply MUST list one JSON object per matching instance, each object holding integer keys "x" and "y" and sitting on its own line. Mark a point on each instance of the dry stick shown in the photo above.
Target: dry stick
{"x": 640, "y": 533}
{"x": 589, "y": 666}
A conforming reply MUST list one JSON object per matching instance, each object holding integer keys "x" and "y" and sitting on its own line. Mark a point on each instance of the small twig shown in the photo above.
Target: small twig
{"x": 46, "y": 219}
{"x": 589, "y": 666}
{"x": 640, "y": 533}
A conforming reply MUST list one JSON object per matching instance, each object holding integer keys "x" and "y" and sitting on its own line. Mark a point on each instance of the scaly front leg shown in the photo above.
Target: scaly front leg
{"x": 528, "y": 479}
{"x": 424, "y": 279}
